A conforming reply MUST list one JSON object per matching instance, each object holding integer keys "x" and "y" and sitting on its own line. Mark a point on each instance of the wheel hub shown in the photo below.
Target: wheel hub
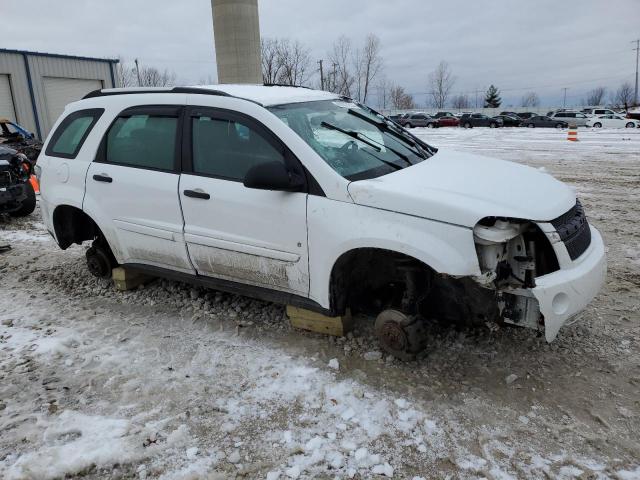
{"x": 393, "y": 336}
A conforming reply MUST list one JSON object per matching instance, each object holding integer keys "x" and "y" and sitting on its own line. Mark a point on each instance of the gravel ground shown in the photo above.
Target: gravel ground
{"x": 172, "y": 381}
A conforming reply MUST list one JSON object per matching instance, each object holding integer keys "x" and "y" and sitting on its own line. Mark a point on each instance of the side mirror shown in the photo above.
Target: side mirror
{"x": 273, "y": 176}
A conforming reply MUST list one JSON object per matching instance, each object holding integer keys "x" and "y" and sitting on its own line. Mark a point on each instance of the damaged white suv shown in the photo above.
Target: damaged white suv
{"x": 308, "y": 198}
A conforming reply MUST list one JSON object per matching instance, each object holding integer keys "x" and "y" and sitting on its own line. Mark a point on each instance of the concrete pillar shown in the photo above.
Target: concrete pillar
{"x": 236, "y": 30}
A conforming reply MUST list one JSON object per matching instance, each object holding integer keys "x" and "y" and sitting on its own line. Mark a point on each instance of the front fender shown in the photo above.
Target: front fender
{"x": 336, "y": 228}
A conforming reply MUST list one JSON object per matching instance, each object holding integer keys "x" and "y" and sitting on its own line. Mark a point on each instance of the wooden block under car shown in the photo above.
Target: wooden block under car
{"x": 125, "y": 279}
{"x": 316, "y": 322}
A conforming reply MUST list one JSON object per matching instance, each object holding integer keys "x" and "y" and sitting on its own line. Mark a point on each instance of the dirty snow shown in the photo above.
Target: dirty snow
{"x": 174, "y": 382}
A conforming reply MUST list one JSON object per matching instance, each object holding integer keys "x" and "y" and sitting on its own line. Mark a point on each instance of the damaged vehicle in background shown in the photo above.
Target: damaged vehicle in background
{"x": 20, "y": 139}
{"x": 308, "y": 198}
{"x": 17, "y": 197}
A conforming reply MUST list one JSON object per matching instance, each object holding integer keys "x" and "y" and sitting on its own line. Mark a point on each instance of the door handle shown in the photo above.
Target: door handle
{"x": 103, "y": 178}
{"x": 197, "y": 194}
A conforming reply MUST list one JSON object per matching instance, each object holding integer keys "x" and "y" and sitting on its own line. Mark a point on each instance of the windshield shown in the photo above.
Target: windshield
{"x": 353, "y": 140}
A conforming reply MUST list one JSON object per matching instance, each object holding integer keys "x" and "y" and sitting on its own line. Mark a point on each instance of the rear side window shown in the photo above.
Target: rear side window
{"x": 144, "y": 139}
{"x": 68, "y": 138}
{"x": 228, "y": 148}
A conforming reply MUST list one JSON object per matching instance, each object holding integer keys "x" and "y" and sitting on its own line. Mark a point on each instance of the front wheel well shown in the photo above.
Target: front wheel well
{"x": 372, "y": 278}
{"x": 72, "y": 225}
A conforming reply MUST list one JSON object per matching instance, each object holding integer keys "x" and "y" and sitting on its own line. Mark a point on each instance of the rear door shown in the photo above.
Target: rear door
{"x": 132, "y": 188}
{"x": 235, "y": 233}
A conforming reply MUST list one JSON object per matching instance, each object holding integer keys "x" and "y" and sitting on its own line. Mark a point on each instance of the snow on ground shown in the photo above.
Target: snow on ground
{"x": 176, "y": 382}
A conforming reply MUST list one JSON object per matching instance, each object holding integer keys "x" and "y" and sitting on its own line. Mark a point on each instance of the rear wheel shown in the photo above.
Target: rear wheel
{"x": 430, "y": 125}
{"x": 400, "y": 335}
{"x": 28, "y": 204}
{"x": 630, "y": 125}
{"x": 467, "y": 125}
{"x": 493, "y": 125}
{"x": 408, "y": 125}
{"x": 597, "y": 125}
{"x": 100, "y": 259}
{"x": 559, "y": 125}
{"x": 531, "y": 125}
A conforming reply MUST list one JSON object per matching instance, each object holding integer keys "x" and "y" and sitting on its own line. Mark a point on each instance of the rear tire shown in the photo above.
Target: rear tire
{"x": 531, "y": 125}
{"x": 559, "y": 125}
{"x": 430, "y": 125}
{"x": 630, "y": 125}
{"x": 467, "y": 125}
{"x": 493, "y": 125}
{"x": 99, "y": 262}
{"x": 28, "y": 204}
{"x": 597, "y": 125}
{"x": 408, "y": 125}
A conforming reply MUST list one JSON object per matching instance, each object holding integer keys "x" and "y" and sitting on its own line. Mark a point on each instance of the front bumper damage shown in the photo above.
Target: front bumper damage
{"x": 563, "y": 294}
{"x": 543, "y": 274}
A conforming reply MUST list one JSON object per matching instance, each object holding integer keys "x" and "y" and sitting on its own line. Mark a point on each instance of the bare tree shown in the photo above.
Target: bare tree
{"x": 460, "y": 102}
{"x": 340, "y": 77}
{"x": 441, "y": 82}
{"x": 125, "y": 75}
{"x": 294, "y": 63}
{"x": 271, "y": 65}
{"x": 401, "y": 100}
{"x": 152, "y": 77}
{"x": 623, "y": 97}
{"x": 530, "y": 99}
{"x": 596, "y": 96}
{"x": 384, "y": 92}
{"x": 367, "y": 64}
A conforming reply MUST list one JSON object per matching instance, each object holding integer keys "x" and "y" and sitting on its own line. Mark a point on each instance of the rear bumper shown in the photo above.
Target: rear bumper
{"x": 565, "y": 293}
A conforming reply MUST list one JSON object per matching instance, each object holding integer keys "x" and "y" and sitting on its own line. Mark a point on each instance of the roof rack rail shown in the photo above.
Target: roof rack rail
{"x": 201, "y": 91}
{"x": 285, "y": 85}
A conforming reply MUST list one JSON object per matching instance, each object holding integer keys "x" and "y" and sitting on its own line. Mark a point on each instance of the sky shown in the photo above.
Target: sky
{"x": 520, "y": 46}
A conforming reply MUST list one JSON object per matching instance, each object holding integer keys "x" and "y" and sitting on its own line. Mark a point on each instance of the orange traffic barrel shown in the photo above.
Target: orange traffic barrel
{"x": 572, "y": 134}
{"x": 34, "y": 183}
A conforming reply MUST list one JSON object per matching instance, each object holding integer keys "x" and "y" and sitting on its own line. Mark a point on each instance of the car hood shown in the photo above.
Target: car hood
{"x": 462, "y": 188}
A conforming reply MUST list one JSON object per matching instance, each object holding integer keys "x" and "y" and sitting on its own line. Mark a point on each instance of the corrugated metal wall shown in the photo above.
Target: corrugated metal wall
{"x": 42, "y": 66}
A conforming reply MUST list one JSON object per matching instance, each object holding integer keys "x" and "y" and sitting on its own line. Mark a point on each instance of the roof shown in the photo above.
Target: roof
{"x": 273, "y": 94}
{"x": 59, "y": 55}
{"x": 265, "y": 95}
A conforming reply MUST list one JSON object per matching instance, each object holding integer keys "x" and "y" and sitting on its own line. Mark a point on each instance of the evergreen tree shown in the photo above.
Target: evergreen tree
{"x": 492, "y": 98}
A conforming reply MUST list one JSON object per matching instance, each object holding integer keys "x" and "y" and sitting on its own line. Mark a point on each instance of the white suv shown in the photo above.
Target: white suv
{"x": 308, "y": 198}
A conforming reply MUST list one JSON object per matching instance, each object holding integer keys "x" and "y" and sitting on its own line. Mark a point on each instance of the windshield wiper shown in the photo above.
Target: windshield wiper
{"x": 356, "y": 135}
{"x": 352, "y": 134}
{"x": 393, "y": 150}
{"x": 405, "y": 137}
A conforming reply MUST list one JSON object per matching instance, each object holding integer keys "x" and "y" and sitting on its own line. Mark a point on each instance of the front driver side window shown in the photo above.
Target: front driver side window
{"x": 227, "y": 148}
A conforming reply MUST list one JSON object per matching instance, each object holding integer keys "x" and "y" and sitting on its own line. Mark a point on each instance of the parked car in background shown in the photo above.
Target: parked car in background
{"x": 448, "y": 121}
{"x": 596, "y": 112}
{"x": 509, "y": 120}
{"x": 544, "y": 121}
{"x": 443, "y": 114}
{"x": 509, "y": 114}
{"x": 612, "y": 121}
{"x": 370, "y": 218}
{"x": 469, "y": 120}
{"x": 578, "y": 119}
{"x": 20, "y": 139}
{"x": 396, "y": 118}
{"x": 419, "y": 120}
{"x": 526, "y": 115}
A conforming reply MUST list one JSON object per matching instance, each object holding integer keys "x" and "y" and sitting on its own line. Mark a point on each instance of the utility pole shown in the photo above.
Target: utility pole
{"x": 321, "y": 76}
{"x": 138, "y": 73}
{"x": 564, "y": 99}
{"x": 477, "y": 91}
{"x": 637, "y": 49}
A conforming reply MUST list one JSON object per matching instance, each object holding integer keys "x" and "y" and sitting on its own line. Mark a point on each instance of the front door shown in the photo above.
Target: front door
{"x": 235, "y": 233}
{"x": 132, "y": 188}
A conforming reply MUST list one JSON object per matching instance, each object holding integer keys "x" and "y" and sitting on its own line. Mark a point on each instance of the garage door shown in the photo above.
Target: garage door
{"x": 58, "y": 92}
{"x": 6, "y": 99}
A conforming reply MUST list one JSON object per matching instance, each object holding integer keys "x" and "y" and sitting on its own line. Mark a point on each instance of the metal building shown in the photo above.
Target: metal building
{"x": 35, "y": 87}
{"x": 236, "y": 29}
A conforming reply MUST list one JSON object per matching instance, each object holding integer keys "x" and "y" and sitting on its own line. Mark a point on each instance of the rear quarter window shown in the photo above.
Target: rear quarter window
{"x": 72, "y": 132}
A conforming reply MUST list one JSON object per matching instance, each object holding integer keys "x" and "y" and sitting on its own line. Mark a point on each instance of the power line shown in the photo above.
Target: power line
{"x": 637, "y": 49}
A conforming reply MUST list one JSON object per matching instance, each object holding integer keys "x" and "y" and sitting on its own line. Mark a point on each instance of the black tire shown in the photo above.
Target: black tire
{"x": 597, "y": 125}
{"x": 28, "y": 204}
{"x": 630, "y": 125}
{"x": 493, "y": 125}
{"x": 530, "y": 125}
{"x": 408, "y": 125}
{"x": 430, "y": 125}
{"x": 559, "y": 125}
{"x": 99, "y": 262}
{"x": 467, "y": 125}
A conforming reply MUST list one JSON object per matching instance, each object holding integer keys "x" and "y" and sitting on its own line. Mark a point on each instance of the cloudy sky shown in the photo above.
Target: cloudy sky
{"x": 520, "y": 46}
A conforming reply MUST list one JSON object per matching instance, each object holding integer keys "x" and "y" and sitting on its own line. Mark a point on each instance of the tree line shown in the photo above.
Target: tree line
{"x": 356, "y": 70}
